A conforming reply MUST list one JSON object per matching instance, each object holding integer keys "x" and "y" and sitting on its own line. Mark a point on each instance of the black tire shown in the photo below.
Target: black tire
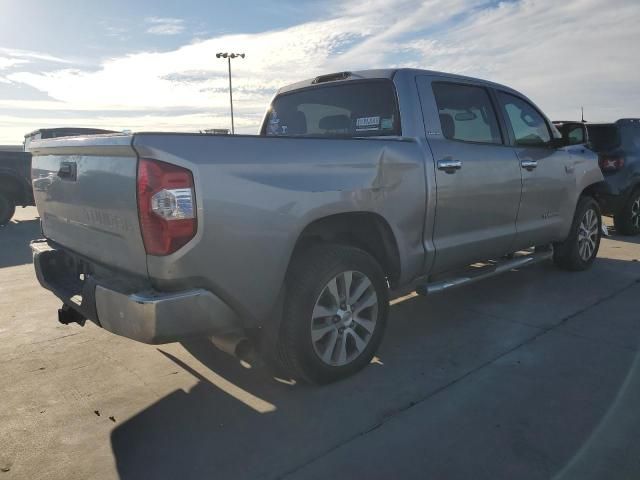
{"x": 7, "y": 209}
{"x": 307, "y": 280}
{"x": 567, "y": 254}
{"x": 627, "y": 222}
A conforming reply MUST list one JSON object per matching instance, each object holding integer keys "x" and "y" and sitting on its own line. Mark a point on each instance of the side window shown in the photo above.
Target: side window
{"x": 466, "y": 113}
{"x": 529, "y": 127}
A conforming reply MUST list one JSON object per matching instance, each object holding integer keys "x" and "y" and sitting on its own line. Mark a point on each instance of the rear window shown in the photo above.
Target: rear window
{"x": 604, "y": 138}
{"x": 352, "y": 109}
{"x": 630, "y": 135}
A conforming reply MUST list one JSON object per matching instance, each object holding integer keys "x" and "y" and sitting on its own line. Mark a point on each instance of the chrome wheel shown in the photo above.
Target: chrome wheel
{"x": 635, "y": 214}
{"x": 344, "y": 318}
{"x": 588, "y": 235}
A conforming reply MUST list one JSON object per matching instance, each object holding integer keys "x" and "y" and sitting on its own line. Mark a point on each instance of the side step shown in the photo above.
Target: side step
{"x": 484, "y": 272}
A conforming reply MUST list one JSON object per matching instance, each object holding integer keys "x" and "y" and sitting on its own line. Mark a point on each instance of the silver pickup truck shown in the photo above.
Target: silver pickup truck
{"x": 359, "y": 187}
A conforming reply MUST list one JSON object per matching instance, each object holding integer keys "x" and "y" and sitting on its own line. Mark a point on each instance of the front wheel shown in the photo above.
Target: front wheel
{"x": 581, "y": 247}
{"x": 335, "y": 313}
{"x": 7, "y": 209}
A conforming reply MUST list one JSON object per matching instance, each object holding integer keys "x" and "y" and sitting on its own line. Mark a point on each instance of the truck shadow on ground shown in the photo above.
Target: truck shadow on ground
{"x": 491, "y": 387}
{"x": 614, "y": 235}
{"x": 14, "y": 242}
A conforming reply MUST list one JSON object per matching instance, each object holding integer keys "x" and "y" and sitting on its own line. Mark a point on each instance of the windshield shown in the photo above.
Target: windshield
{"x": 352, "y": 109}
{"x": 604, "y": 138}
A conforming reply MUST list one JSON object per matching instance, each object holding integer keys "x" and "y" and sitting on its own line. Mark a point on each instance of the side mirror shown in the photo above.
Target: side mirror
{"x": 573, "y": 133}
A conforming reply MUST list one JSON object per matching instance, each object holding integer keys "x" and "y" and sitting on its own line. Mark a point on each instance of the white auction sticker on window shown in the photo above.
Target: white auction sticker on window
{"x": 368, "y": 123}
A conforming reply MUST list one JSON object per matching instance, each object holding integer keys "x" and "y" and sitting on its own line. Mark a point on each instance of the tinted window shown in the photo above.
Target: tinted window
{"x": 529, "y": 127}
{"x": 630, "y": 135}
{"x": 604, "y": 138}
{"x": 352, "y": 109}
{"x": 466, "y": 113}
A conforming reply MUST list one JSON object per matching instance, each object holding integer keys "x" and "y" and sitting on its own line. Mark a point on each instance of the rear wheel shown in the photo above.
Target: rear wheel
{"x": 7, "y": 209}
{"x": 581, "y": 247}
{"x": 334, "y": 314}
{"x": 627, "y": 222}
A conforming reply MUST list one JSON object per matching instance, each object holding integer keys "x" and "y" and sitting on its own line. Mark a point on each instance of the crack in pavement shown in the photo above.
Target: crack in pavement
{"x": 394, "y": 413}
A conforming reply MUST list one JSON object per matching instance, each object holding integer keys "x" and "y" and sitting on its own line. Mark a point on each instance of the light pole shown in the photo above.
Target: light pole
{"x": 229, "y": 56}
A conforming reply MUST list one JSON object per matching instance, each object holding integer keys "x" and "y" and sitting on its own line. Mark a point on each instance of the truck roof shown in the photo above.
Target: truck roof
{"x": 385, "y": 73}
{"x": 11, "y": 148}
{"x": 622, "y": 121}
{"x": 67, "y": 131}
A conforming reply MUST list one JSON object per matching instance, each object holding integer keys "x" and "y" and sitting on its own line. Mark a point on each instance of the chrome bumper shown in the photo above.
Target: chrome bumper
{"x": 147, "y": 316}
{"x": 152, "y": 317}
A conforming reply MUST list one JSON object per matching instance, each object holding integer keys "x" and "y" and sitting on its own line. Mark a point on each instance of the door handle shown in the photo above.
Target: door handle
{"x": 68, "y": 170}
{"x": 528, "y": 164}
{"x": 449, "y": 165}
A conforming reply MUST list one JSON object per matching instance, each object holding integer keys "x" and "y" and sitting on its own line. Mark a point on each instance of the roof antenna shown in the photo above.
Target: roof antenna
{"x": 582, "y": 109}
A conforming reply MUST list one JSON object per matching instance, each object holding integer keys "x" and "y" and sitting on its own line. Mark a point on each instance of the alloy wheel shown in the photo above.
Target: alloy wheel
{"x": 635, "y": 214}
{"x": 344, "y": 318}
{"x": 588, "y": 235}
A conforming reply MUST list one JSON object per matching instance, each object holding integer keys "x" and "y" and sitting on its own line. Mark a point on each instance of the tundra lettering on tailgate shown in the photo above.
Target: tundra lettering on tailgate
{"x": 106, "y": 219}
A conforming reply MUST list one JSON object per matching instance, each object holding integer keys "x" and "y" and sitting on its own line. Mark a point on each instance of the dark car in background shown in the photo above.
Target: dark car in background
{"x": 618, "y": 147}
{"x": 15, "y": 168}
{"x": 15, "y": 182}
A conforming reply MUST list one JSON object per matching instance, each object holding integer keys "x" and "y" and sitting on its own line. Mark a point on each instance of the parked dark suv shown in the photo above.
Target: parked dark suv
{"x": 618, "y": 148}
{"x": 15, "y": 181}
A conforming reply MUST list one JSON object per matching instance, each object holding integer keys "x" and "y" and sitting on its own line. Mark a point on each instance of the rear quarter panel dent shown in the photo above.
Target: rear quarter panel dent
{"x": 258, "y": 194}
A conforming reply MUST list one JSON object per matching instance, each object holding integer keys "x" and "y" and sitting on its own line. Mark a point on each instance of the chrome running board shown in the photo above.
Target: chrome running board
{"x": 484, "y": 272}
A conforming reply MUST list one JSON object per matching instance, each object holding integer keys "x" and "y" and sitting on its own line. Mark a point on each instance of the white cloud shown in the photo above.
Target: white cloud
{"x": 164, "y": 26}
{"x": 6, "y": 62}
{"x": 25, "y": 56}
{"x": 561, "y": 54}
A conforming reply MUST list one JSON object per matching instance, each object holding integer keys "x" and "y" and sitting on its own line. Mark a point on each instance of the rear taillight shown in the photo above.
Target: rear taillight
{"x": 166, "y": 206}
{"x": 610, "y": 163}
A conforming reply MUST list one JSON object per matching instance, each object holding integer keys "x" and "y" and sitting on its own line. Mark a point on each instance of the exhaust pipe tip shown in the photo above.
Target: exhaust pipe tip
{"x": 234, "y": 344}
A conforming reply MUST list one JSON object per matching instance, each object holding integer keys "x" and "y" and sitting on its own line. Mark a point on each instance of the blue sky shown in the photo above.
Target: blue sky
{"x": 151, "y": 65}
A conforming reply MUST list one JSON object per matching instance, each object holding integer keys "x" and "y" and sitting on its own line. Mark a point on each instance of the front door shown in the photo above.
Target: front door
{"x": 477, "y": 175}
{"x": 548, "y": 184}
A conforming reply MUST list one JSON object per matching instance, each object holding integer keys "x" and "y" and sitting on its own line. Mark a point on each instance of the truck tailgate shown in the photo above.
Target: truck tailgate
{"x": 85, "y": 191}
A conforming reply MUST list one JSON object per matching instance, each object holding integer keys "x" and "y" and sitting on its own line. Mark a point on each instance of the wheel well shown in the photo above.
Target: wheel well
{"x": 594, "y": 190}
{"x": 367, "y": 231}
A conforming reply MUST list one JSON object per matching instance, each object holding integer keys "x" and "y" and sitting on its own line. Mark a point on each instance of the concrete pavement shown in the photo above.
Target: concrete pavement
{"x": 530, "y": 375}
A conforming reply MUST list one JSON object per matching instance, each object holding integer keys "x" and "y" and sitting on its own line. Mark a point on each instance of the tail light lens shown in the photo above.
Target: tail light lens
{"x": 610, "y": 163}
{"x": 166, "y": 206}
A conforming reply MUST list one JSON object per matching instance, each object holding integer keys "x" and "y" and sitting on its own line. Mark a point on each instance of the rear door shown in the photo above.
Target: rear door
{"x": 548, "y": 173}
{"x": 85, "y": 192}
{"x": 477, "y": 175}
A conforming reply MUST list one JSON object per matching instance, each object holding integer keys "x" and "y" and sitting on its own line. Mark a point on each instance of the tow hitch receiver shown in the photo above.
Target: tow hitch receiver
{"x": 67, "y": 315}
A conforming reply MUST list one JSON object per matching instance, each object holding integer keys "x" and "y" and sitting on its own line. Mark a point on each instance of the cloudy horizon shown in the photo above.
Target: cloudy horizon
{"x": 147, "y": 67}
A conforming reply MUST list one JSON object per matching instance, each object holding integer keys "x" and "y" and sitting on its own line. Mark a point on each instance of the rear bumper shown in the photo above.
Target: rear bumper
{"x": 129, "y": 310}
